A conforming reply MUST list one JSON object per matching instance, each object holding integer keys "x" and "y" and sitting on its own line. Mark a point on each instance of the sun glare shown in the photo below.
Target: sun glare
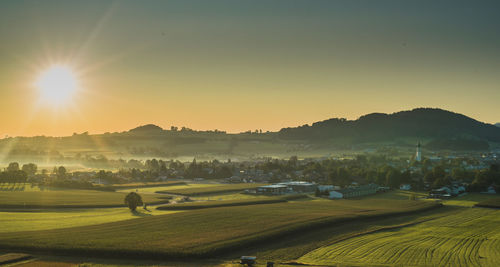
{"x": 57, "y": 85}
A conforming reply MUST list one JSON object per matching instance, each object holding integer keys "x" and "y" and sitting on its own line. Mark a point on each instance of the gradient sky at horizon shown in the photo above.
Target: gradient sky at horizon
{"x": 241, "y": 65}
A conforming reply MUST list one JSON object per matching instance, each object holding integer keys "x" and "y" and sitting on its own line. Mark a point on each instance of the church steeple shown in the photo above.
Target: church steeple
{"x": 418, "y": 156}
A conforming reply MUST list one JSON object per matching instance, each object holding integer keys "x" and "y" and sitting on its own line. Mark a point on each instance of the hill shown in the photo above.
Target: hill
{"x": 497, "y": 124}
{"x": 146, "y": 128}
{"x": 425, "y": 123}
{"x": 437, "y": 129}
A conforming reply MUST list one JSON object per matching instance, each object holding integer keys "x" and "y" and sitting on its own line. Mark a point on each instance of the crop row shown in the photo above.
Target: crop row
{"x": 204, "y": 232}
{"x": 468, "y": 238}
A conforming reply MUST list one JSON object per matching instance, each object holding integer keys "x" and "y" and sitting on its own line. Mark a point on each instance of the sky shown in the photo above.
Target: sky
{"x": 241, "y": 65}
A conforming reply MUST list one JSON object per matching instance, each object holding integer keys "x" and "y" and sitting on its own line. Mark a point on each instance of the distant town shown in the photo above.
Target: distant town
{"x": 337, "y": 177}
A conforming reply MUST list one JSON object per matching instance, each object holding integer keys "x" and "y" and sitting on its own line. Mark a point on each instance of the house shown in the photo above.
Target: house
{"x": 491, "y": 190}
{"x": 457, "y": 190}
{"x": 234, "y": 179}
{"x": 405, "y": 187}
{"x": 161, "y": 178}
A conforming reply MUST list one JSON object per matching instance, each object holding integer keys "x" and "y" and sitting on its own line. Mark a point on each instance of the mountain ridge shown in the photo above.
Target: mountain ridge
{"x": 419, "y": 122}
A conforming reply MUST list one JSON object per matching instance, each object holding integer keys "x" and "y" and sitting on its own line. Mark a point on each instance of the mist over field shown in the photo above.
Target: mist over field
{"x": 249, "y": 133}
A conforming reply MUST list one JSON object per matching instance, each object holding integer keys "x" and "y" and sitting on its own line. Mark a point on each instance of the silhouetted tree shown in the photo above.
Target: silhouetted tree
{"x": 61, "y": 172}
{"x": 133, "y": 200}
{"x": 13, "y": 167}
{"x": 30, "y": 168}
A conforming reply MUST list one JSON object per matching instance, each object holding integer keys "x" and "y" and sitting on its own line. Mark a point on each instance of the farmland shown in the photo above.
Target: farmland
{"x": 465, "y": 200}
{"x": 468, "y": 199}
{"x": 226, "y": 196}
{"x": 145, "y": 185}
{"x": 230, "y": 203}
{"x": 221, "y": 224}
{"x": 66, "y": 199}
{"x": 211, "y": 190}
{"x": 153, "y": 190}
{"x": 469, "y": 237}
{"x": 490, "y": 203}
{"x": 202, "y": 232}
{"x": 52, "y": 219}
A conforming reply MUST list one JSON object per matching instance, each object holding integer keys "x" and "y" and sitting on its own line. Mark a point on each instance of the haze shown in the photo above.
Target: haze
{"x": 240, "y": 65}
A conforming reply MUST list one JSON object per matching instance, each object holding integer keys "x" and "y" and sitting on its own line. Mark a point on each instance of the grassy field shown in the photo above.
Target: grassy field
{"x": 13, "y": 257}
{"x": 466, "y": 200}
{"x": 226, "y": 196}
{"x": 470, "y": 237}
{"x": 146, "y": 184}
{"x": 153, "y": 190}
{"x": 203, "y": 232}
{"x": 469, "y": 199}
{"x": 397, "y": 194}
{"x": 66, "y": 198}
{"x": 211, "y": 190}
{"x": 44, "y": 220}
{"x": 490, "y": 203}
{"x": 230, "y": 203}
{"x": 289, "y": 248}
{"x": 26, "y": 187}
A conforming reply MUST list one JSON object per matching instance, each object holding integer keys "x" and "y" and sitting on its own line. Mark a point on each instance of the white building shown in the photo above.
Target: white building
{"x": 335, "y": 195}
{"x": 405, "y": 187}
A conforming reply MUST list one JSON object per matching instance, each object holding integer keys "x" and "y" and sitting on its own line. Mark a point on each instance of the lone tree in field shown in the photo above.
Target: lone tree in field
{"x": 132, "y": 200}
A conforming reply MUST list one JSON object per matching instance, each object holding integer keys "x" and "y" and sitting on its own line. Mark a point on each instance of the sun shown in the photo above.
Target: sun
{"x": 57, "y": 85}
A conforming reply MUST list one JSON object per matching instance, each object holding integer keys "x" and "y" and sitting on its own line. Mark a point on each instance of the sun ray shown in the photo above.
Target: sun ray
{"x": 57, "y": 85}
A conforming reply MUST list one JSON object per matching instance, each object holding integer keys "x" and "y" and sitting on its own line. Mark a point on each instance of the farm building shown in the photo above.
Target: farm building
{"x": 335, "y": 195}
{"x": 287, "y": 187}
{"x": 274, "y": 189}
{"x": 300, "y": 186}
{"x": 328, "y": 188}
{"x": 443, "y": 192}
{"x": 354, "y": 192}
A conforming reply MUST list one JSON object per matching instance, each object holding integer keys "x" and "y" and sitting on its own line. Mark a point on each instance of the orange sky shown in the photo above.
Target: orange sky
{"x": 237, "y": 66}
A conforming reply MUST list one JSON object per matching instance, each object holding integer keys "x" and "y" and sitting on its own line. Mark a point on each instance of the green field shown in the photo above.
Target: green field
{"x": 226, "y": 196}
{"x": 490, "y": 203}
{"x": 469, "y": 199}
{"x": 210, "y": 190}
{"x": 229, "y": 203}
{"x": 145, "y": 184}
{"x": 153, "y": 190}
{"x": 53, "y": 219}
{"x": 470, "y": 237}
{"x": 397, "y": 194}
{"x": 465, "y": 200}
{"x": 26, "y": 187}
{"x": 67, "y": 198}
{"x": 203, "y": 232}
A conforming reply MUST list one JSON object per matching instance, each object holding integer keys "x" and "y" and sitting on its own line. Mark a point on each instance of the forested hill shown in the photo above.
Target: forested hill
{"x": 420, "y": 123}
{"x": 437, "y": 130}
